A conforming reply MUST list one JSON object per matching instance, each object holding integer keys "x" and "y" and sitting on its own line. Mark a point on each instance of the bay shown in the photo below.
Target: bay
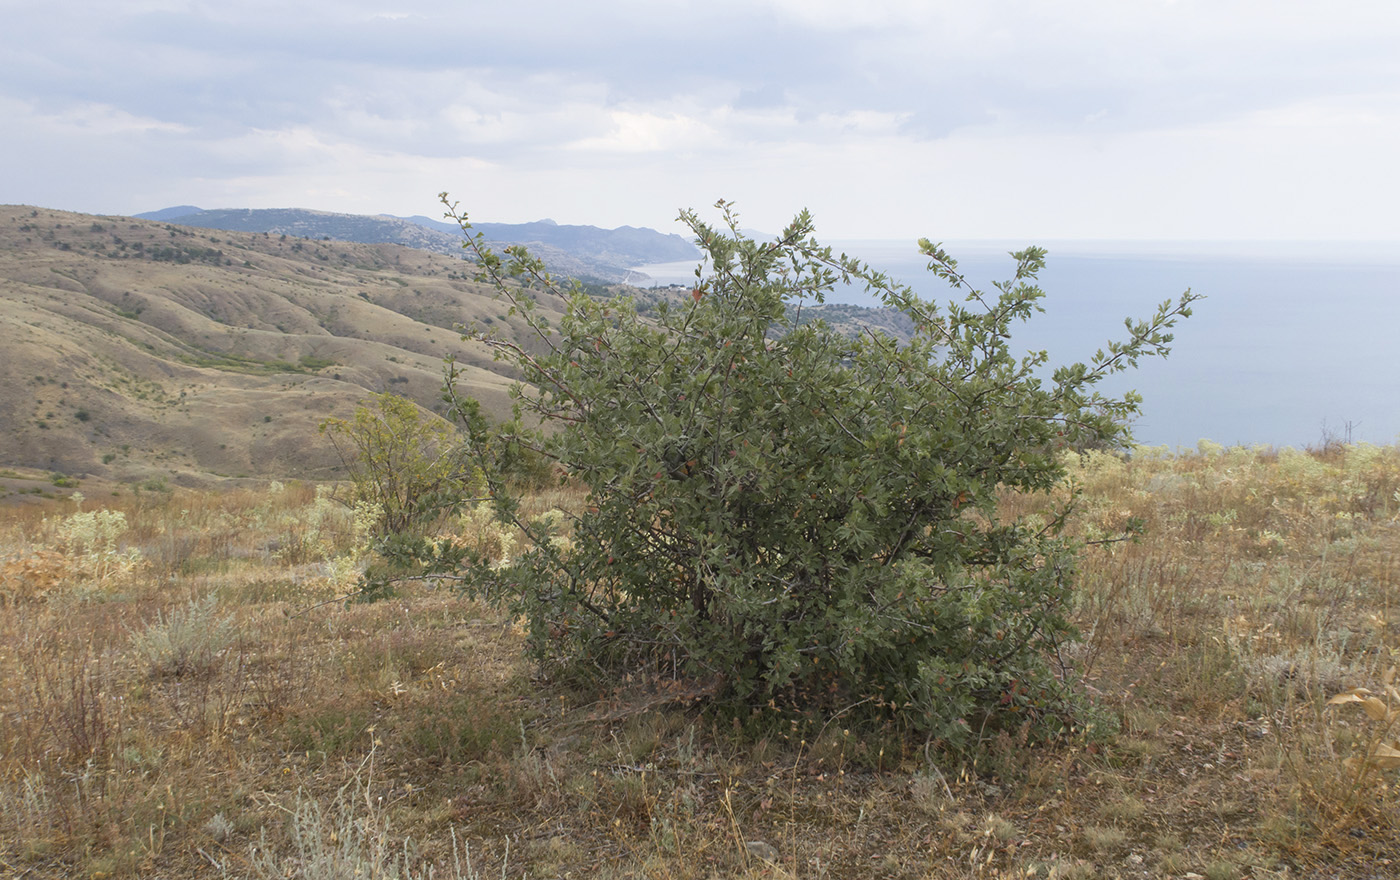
{"x": 1295, "y": 342}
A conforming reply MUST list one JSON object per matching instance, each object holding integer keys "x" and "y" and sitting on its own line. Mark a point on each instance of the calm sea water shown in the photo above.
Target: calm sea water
{"x": 1294, "y": 341}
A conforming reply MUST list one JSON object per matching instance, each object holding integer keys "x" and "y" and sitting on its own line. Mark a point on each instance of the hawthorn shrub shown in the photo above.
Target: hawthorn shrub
{"x": 801, "y": 518}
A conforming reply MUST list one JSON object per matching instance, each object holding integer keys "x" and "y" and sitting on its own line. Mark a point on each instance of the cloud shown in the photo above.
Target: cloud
{"x": 1085, "y": 117}
{"x": 95, "y": 120}
{"x": 632, "y": 132}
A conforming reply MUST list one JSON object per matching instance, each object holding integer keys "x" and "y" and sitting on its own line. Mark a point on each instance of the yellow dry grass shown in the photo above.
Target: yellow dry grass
{"x": 299, "y": 737}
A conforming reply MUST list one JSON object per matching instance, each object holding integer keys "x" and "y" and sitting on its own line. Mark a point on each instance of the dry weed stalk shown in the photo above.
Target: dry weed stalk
{"x": 1382, "y": 751}
{"x": 352, "y": 839}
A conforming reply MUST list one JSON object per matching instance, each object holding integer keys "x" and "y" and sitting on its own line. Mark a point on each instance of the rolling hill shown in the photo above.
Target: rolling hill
{"x": 136, "y": 349}
{"x": 144, "y": 350}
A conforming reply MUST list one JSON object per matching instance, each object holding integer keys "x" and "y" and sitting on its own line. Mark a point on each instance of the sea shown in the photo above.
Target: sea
{"x": 1295, "y": 343}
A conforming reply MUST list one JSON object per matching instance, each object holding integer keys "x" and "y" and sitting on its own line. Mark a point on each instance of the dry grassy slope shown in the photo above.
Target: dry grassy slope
{"x": 200, "y": 354}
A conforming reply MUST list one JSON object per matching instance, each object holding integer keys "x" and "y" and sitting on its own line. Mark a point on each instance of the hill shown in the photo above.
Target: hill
{"x": 138, "y": 350}
{"x": 575, "y": 251}
{"x": 135, "y": 349}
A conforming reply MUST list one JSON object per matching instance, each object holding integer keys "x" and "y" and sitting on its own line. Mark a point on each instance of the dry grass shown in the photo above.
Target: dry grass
{"x": 194, "y": 710}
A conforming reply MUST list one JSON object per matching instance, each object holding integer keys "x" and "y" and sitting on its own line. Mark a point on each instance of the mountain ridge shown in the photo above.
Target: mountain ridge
{"x": 586, "y": 252}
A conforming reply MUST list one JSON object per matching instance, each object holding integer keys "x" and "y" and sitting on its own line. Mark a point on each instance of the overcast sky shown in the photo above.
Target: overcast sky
{"x": 1136, "y": 119}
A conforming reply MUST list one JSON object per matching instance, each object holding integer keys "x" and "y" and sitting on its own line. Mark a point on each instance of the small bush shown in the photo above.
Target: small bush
{"x": 158, "y": 485}
{"x": 402, "y": 459}
{"x": 90, "y": 540}
{"x": 352, "y": 839}
{"x": 189, "y": 641}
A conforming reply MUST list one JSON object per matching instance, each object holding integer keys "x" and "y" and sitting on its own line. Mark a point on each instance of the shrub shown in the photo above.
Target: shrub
{"x": 90, "y": 541}
{"x": 799, "y": 517}
{"x": 402, "y": 459}
{"x": 189, "y": 641}
{"x": 352, "y": 839}
{"x": 158, "y": 485}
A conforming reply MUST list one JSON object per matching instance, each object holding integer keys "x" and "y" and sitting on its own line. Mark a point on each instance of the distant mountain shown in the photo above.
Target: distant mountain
{"x": 170, "y": 213}
{"x": 625, "y": 245}
{"x": 576, "y": 251}
{"x": 318, "y": 225}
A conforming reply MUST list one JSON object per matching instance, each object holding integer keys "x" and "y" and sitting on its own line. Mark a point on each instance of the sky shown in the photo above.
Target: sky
{"x": 1073, "y": 119}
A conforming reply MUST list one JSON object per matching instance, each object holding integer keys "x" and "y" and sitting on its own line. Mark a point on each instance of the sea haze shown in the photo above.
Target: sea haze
{"x": 1293, "y": 342}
